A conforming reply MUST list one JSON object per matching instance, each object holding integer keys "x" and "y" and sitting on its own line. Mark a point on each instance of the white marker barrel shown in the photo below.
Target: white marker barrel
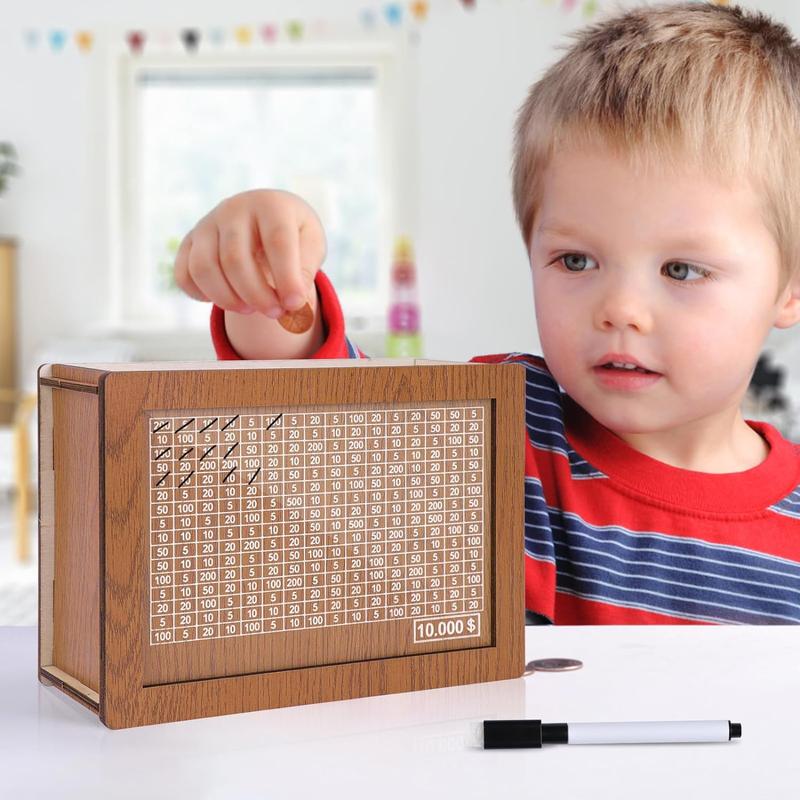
{"x": 712, "y": 730}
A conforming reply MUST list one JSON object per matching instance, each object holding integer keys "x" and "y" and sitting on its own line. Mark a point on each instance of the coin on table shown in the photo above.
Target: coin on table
{"x": 552, "y": 665}
{"x": 297, "y": 321}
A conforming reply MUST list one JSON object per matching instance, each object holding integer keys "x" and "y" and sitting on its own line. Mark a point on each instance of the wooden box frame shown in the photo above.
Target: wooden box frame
{"x": 91, "y": 552}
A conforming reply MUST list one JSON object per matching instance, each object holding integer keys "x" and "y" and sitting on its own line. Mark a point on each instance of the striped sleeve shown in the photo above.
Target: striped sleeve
{"x": 335, "y": 345}
{"x": 541, "y": 429}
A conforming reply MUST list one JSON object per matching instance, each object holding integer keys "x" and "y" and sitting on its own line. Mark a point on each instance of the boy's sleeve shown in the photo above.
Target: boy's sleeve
{"x": 335, "y": 345}
{"x": 541, "y": 394}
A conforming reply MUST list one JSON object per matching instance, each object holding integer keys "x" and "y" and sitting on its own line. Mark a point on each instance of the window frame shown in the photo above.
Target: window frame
{"x": 394, "y": 173}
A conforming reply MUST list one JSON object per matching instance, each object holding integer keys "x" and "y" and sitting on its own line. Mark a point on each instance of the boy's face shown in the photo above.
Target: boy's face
{"x": 632, "y": 282}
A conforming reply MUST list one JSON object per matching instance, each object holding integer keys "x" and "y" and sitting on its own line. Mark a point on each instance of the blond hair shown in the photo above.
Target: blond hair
{"x": 679, "y": 85}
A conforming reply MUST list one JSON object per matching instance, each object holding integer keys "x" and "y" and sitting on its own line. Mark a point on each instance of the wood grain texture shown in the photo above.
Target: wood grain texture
{"x": 140, "y": 683}
{"x": 76, "y": 588}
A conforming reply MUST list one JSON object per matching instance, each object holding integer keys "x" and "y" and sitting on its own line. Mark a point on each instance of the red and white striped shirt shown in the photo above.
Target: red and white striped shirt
{"x": 613, "y": 536}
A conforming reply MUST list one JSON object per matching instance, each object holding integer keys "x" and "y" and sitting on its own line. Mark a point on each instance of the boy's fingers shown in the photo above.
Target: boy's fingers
{"x": 206, "y": 272}
{"x": 182, "y": 277}
{"x": 241, "y": 270}
{"x": 280, "y": 242}
{"x": 313, "y": 249}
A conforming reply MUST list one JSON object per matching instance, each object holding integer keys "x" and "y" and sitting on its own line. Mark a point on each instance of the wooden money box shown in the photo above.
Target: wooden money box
{"x": 219, "y": 537}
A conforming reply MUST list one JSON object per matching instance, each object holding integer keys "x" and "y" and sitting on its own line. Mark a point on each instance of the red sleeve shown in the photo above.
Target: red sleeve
{"x": 495, "y": 358}
{"x": 336, "y": 344}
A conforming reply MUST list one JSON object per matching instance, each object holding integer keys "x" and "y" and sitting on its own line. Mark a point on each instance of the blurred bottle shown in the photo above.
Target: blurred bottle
{"x": 403, "y": 337}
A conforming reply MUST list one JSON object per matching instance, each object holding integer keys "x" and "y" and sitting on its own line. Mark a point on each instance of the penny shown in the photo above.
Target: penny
{"x": 297, "y": 321}
{"x": 552, "y": 665}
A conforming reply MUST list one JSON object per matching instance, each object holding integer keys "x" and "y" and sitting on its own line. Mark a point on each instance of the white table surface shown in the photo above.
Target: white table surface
{"x": 424, "y": 744}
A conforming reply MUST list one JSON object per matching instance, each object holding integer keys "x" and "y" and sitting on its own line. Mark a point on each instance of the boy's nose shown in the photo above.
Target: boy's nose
{"x": 623, "y": 307}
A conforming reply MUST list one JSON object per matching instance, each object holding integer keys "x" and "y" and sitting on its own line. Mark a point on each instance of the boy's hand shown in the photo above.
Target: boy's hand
{"x": 256, "y": 251}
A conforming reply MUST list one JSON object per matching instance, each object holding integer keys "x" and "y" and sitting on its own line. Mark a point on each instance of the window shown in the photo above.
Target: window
{"x": 196, "y": 133}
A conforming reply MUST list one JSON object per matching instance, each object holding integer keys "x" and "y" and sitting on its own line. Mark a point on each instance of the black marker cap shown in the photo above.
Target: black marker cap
{"x": 522, "y": 733}
{"x": 512, "y": 733}
{"x": 734, "y": 730}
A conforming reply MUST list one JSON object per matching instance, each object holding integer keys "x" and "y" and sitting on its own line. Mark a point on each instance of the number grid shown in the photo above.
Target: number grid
{"x": 289, "y": 519}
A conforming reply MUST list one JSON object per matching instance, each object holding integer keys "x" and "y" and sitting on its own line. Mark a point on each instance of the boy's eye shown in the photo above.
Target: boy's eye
{"x": 573, "y": 257}
{"x": 684, "y": 269}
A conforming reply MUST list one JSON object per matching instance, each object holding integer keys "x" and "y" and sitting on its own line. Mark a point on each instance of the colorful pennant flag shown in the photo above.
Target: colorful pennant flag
{"x": 269, "y": 32}
{"x": 367, "y": 17}
{"x": 295, "y": 29}
{"x": 243, "y": 34}
{"x": 419, "y": 10}
{"x": 57, "y": 40}
{"x": 191, "y": 39}
{"x": 84, "y": 40}
{"x": 216, "y": 36}
{"x": 394, "y": 13}
{"x": 32, "y": 39}
{"x": 135, "y": 41}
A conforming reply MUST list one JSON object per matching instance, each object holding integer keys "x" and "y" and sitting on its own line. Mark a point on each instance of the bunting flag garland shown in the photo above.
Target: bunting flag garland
{"x": 375, "y": 16}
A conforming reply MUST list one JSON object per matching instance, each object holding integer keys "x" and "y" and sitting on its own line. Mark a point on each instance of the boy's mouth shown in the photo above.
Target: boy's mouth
{"x": 640, "y": 370}
{"x": 622, "y": 363}
{"x": 625, "y": 377}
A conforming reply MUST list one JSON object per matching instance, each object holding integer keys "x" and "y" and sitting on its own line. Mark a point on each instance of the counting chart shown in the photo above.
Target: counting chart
{"x": 272, "y": 520}
{"x": 219, "y": 537}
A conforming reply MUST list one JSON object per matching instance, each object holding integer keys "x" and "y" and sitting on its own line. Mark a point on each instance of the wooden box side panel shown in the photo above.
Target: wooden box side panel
{"x": 46, "y": 520}
{"x": 70, "y": 531}
{"x": 509, "y": 514}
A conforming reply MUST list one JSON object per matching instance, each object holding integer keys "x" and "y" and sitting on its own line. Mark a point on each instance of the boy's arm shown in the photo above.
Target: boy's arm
{"x": 236, "y": 336}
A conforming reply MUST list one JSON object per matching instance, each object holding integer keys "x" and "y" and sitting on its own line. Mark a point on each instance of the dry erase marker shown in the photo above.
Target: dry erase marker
{"x": 532, "y": 733}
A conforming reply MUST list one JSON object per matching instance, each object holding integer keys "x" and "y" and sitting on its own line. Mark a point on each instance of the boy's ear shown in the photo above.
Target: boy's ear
{"x": 789, "y": 305}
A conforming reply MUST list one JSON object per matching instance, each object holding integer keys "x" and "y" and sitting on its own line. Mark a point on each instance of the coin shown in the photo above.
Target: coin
{"x": 297, "y": 321}
{"x": 552, "y": 665}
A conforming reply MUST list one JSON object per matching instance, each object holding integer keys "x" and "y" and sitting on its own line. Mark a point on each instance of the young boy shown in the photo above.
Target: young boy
{"x": 656, "y": 179}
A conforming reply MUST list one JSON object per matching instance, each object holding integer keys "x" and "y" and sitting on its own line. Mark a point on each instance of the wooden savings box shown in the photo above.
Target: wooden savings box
{"x": 219, "y": 537}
